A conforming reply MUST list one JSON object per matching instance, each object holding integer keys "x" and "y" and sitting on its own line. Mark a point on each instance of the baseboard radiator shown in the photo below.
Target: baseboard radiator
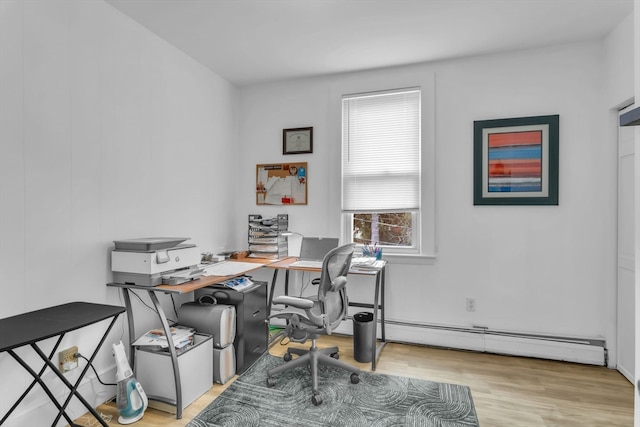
{"x": 578, "y": 350}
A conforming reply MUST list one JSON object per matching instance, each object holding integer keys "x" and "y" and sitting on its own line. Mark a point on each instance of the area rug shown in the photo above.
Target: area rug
{"x": 377, "y": 400}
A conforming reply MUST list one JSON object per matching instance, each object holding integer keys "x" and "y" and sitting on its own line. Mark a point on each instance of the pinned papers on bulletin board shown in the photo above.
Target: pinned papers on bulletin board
{"x": 281, "y": 184}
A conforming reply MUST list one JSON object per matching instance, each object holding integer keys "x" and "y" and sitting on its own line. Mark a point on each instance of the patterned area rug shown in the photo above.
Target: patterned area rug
{"x": 378, "y": 400}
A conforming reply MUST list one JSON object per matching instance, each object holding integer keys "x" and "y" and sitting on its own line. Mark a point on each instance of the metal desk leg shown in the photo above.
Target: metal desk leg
{"x": 382, "y": 303}
{"x": 273, "y": 287}
{"x": 74, "y": 388}
{"x": 34, "y": 382}
{"x": 286, "y": 282}
{"x": 132, "y": 329}
{"x": 379, "y": 292}
{"x": 38, "y": 379}
{"x": 172, "y": 352}
{"x": 273, "y": 338}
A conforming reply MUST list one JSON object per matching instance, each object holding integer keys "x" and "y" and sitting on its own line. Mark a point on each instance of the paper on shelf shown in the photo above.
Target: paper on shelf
{"x": 366, "y": 263}
{"x": 156, "y": 338}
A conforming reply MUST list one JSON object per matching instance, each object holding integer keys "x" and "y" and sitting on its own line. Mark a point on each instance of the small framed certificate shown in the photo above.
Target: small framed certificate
{"x": 297, "y": 140}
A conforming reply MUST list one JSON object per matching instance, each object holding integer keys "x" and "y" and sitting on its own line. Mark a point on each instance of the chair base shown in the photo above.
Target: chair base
{"x": 313, "y": 358}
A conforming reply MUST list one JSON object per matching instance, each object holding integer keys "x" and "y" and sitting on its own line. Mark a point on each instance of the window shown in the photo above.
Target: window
{"x": 381, "y": 166}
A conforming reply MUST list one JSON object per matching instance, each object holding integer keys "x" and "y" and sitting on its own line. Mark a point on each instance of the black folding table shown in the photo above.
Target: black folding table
{"x": 35, "y": 326}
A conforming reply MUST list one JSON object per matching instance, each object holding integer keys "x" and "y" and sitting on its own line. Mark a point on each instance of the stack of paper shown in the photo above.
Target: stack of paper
{"x": 230, "y": 268}
{"x": 263, "y": 248}
{"x": 366, "y": 263}
{"x": 181, "y": 337}
{"x": 239, "y": 283}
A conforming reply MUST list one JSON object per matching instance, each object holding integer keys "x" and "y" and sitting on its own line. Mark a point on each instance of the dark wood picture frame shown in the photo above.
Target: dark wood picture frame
{"x": 515, "y": 161}
{"x": 297, "y": 140}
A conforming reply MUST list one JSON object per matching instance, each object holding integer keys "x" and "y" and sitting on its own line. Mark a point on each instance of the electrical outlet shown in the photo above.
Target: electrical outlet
{"x": 471, "y": 304}
{"x": 67, "y": 359}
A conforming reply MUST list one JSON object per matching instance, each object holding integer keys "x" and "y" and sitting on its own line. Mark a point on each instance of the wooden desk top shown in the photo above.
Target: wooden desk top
{"x": 198, "y": 283}
{"x": 285, "y": 264}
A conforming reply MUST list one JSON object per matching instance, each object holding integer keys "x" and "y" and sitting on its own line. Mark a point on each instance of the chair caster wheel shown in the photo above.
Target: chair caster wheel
{"x": 335, "y": 355}
{"x": 270, "y": 382}
{"x": 286, "y": 357}
{"x": 316, "y": 399}
{"x": 355, "y": 378}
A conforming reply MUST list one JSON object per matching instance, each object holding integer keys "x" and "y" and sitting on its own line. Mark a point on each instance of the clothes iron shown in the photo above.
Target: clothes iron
{"x": 131, "y": 399}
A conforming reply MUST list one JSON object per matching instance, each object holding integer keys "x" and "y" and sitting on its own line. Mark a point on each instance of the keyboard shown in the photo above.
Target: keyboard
{"x": 306, "y": 264}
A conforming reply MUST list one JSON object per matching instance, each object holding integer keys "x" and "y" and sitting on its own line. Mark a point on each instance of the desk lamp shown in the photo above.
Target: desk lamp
{"x": 291, "y": 233}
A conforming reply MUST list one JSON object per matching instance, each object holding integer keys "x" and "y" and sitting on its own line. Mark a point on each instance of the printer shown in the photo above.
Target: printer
{"x": 155, "y": 261}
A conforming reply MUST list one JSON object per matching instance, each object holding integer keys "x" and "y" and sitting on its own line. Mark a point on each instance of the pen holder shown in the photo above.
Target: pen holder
{"x": 372, "y": 253}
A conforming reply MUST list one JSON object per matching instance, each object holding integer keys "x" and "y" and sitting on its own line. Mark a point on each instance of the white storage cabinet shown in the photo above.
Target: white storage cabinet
{"x": 154, "y": 371}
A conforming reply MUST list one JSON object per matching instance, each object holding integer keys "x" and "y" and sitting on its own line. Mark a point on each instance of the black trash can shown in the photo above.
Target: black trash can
{"x": 363, "y": 341}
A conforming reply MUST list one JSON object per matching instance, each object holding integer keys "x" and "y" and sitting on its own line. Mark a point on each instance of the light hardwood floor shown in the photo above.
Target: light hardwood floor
{"x": 507, "y": 391}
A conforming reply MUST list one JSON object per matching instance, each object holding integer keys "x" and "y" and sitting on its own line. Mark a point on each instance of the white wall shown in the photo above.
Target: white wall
{"x": 618, "y": 64}
{"x": 102, "y": 126}
{"x": 636, "y": 50}
{"x": 618, "y": 89}
{"x": 548, "y": 270}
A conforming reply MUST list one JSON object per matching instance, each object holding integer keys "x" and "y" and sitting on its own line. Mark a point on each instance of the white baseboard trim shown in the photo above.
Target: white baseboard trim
{"x": 530, "y": 346}
{"x": 578, "y": 350}
{"x": 625, "y": 373}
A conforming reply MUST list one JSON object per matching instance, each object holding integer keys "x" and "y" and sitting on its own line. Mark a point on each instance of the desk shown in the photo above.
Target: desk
{"x": 173, "y": 289}
{"x": 378, "y": 299}
{"x": 35, "y": 326}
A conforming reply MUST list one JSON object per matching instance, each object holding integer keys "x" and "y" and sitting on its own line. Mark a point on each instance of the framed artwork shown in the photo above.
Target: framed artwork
{"x": 297, "y": 140}
{"x": 515, "y": 161}
{"x": 281, "y": 184}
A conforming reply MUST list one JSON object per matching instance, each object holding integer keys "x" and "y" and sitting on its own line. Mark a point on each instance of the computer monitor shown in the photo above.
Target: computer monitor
{"x": 315, "y": 248}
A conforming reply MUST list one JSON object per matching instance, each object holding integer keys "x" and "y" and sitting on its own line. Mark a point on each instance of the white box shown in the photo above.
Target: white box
{"x": 224, "y": 364}
{"x": 155, "y": 373}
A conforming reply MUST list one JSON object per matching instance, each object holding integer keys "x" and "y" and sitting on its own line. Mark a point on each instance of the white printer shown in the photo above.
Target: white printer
{"x": 154, "y": 261}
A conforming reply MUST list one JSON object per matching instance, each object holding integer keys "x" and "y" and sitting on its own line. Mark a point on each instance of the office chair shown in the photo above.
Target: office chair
{"x": 310, "y": 317}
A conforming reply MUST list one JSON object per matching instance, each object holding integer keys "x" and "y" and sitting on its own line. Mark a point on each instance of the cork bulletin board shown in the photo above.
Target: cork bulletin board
{"x": 281, "y": 184}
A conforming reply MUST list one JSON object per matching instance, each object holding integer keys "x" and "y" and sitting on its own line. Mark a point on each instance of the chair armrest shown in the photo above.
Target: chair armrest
{"x": 302, "y": 303}
{"x": 338, "y": 283}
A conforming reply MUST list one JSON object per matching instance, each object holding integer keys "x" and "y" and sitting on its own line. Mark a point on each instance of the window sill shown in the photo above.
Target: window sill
{"x": 417, "y": 259}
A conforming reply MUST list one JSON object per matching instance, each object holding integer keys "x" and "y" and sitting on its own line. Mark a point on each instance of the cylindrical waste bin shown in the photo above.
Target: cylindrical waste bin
{"x": 363, "y": 341}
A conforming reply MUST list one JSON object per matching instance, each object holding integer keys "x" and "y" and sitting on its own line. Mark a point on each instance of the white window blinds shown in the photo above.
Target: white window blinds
{"x": 381, "y": 151}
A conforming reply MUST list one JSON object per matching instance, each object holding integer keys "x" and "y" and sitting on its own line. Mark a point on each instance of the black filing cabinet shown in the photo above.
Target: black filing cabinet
{"x": 252, "y": 331}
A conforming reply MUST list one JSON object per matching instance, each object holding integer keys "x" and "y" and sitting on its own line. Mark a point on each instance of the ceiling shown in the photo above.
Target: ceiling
{"x": 254, "y": 41}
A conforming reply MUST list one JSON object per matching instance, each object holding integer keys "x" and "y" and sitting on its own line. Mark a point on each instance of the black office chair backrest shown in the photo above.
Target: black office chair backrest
{"x": 332, "y": 291}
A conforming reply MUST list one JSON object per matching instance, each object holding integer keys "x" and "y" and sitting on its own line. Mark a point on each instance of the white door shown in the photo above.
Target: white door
{"x": 626, "y": 258}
